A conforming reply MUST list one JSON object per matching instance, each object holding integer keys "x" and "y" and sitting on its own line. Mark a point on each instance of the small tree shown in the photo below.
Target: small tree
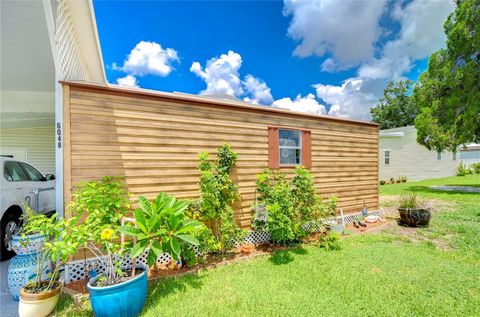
{"x": 218, "y": 194}
{"x": 396, "y": 108}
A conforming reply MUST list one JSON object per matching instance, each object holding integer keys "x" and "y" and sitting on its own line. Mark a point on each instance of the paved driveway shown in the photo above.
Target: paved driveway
{"x": 9, "y": 306}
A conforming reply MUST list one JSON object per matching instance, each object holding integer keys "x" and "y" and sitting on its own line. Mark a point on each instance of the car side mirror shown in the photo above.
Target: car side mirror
{"x": 49, "y": 177}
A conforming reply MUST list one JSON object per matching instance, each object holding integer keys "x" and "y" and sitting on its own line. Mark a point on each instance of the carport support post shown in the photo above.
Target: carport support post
{"x": 59, "y": 203}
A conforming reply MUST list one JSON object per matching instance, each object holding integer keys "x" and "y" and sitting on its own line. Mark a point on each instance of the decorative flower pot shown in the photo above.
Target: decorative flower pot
{"x": 29, "y": 244}
{"x": 38, "y": 305}
{"x": 124, "y": 299}
{"x": 21, "y": 270}
{"x": 414, "y": 217}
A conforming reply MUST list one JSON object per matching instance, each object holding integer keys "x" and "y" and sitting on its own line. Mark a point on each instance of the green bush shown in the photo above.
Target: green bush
{"x": 331, "y": 242}
{"x": 218, "y": 194}
{"x": 293, "y": 207}
{"x": 475, "y": 168}
{"x": 462, "y": 169}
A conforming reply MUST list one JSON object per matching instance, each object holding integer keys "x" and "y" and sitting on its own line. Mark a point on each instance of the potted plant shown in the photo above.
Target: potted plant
{"x": 23, "y": 267}
{"x": 413, "y": 211}
{"x": 39, "y": 297}
{"x": 160, "y": 226}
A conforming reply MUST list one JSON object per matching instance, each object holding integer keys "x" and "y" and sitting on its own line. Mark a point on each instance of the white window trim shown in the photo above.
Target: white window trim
{"x": 280, "y": 147}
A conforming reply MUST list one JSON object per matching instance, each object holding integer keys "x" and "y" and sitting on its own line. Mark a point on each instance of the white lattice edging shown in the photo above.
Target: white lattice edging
{"x": 75, "y": 270}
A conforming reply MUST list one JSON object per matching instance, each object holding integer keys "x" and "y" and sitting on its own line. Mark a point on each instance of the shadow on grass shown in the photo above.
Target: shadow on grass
{"x": 166, "y": 286}
{"x": 282, "y": 257}
{"x": 427, "y": 189}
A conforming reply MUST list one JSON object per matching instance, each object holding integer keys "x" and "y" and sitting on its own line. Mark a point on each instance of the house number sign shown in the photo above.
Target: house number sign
{"x": 59, "y": 135}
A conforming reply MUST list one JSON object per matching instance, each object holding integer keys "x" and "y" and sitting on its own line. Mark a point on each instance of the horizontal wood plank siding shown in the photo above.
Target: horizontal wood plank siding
{"x": 154, "y": 143}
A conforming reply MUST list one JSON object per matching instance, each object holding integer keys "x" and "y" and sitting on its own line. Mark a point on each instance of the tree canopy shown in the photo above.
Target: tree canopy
{"x": 448, "y": 93}
{"x": 396, "y": 108}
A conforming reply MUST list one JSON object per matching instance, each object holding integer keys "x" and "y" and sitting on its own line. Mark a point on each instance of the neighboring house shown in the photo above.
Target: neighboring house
{"x": 469, "y": 154}
{"x": 153, "y": 139}
{"x": 43, "y": 42}
{"x": 401, "y": 155}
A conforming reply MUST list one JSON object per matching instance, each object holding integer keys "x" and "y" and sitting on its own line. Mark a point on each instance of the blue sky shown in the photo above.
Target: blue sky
{"x": 315, "y": 56}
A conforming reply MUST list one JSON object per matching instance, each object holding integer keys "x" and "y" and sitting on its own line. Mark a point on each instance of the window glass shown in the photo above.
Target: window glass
{"x": 387, "y": 157}
{"x": 32, "y": 173}
{"x": 439, "y": 156}
{"x": 454, "y": 156}
{"x": 290, "y": 147}
{"x": 13, "y": 172}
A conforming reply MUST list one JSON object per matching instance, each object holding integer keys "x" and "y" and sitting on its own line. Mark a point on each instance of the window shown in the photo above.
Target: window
{"x": 32, "y": 173}
{"x": 387, "y": 157}
{"x": 454, "y": 156}
{"x": 290, "y": 147}
{"x": 439, "y": 156}
{"x": 13, "y": 172}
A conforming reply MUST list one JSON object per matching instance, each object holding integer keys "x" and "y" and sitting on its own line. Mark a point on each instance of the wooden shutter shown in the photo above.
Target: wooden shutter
{"x": 273, "y": 156}
{"x": 307, "y": 149}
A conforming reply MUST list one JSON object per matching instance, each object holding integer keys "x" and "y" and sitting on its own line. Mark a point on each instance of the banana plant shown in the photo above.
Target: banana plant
{"x": 161, "y": 226}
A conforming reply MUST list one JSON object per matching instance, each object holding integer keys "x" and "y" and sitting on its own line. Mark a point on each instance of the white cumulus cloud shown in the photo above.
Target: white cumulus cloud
{"x": 420, "y": 35}
{"x": 347, "y": 30}
{"x": 303, "y": 104}
{"x": 149, "y": 58}
{"x": 257, "y": 90}
{"x": 352, "y": 99}
{"x": 128, "y": 80}
{"x": 221, "y": 74}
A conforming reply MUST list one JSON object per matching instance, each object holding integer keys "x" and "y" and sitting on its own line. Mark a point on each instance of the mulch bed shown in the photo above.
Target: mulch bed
{"x": 212, "y": 261}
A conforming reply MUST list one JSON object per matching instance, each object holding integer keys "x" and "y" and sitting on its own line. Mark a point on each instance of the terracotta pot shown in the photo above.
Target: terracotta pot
{"x": 38, "y": 305}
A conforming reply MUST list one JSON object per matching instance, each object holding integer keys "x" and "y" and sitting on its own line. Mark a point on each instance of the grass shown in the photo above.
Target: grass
{"x": 383, "y": 274}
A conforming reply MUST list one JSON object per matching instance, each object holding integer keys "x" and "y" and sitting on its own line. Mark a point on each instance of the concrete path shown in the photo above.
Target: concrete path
{"x": 9, "y": 307}
{"x": 466, "y": 189}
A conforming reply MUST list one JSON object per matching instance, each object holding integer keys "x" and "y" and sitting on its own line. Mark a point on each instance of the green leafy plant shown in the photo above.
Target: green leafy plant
{"x": 218, "y": 194}
{"x": 331, "y": 241}
{"x": 462, "y": 169}
{"x": 161, "y": 226}
{"x": 411, "y": 201}
{"x": 63, "y": 237}
{"x": 102, "y": 204}
{"x": 294, "y": 209}
{"x": 475, "y": 167}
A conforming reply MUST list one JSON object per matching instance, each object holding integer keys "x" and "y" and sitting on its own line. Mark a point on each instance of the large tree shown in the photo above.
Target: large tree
{"x": 448, "y": 93}
{"x": 396, "y": 108}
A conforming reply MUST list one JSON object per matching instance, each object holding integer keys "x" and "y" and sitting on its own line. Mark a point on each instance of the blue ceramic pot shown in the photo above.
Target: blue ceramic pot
{"x": 21, "y": 270}
{"x": 121, "y": 300}
{"x": 31, "y": 243}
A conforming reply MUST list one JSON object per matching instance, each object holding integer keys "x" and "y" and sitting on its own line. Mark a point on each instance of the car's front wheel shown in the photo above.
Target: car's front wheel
{"x": 8, "y": 225}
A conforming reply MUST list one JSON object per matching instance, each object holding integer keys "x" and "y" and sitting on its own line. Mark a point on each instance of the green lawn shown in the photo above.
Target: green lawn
{"x": 384, "y": 274}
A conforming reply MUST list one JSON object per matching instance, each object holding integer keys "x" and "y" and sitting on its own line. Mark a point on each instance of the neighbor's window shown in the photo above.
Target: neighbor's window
{"x": 439, "y": 156}
{"x": 290, "y": 147}
{"x": 454, "y": 156}
{"x": 387, "y": 157}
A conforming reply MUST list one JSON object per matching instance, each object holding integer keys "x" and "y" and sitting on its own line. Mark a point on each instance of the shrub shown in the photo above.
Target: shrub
{"x": 331, "y": 241}
{"x": 475, "y": 167}
{"x": 218, "y": 194}
{"x": 462, "y": 169}
{"x": 293, "y": 207}
{"x": 382, "y": 182}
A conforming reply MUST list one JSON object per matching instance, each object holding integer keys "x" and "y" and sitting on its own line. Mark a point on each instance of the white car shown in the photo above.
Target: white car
{"x": 19, "y": 184}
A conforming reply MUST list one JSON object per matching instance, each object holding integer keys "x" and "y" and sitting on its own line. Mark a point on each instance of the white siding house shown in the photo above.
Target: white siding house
{"x": 401, "y": 155}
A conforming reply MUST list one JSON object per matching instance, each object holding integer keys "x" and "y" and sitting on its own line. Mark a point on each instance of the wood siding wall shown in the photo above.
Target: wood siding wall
{"x": 154, "y": 143}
